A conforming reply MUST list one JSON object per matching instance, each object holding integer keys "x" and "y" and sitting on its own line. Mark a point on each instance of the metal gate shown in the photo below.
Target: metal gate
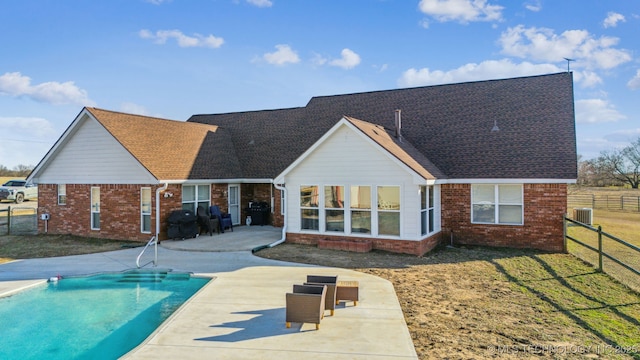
{"x": 16, "y": 220}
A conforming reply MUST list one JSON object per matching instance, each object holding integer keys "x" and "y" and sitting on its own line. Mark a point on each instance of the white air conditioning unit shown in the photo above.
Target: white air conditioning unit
{"x": 583, "y": 215}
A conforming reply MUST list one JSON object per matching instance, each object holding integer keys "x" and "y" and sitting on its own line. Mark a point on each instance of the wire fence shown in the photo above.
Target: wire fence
{"x": 608, "y": 202}
{"x": 618, "y": 258}
{"x": 16, "y": 220}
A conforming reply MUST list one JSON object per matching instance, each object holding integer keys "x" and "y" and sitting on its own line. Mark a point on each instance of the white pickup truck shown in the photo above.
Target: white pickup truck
{"x": 18, "y": 191}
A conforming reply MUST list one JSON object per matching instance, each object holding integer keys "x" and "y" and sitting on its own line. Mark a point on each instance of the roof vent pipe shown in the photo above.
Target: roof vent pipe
{"x": 398, "y": 124}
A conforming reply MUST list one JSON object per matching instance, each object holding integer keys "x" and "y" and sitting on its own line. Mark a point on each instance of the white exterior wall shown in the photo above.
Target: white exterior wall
{"x": 346, "y": 158}
{"x": 93, "y": 156}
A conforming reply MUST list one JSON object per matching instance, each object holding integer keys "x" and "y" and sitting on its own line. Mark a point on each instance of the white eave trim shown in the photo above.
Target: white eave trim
{"x": 217, "y": 181}
{"x": 506, "y": 181}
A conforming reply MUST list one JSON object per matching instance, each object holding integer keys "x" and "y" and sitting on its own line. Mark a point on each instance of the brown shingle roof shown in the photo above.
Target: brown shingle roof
{"x": 171, "y": 150}
{"x": 450, "y": 125}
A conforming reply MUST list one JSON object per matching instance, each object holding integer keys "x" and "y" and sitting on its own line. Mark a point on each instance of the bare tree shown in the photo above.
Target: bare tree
{"x": 621, "y": 165}
{"x": 18, "y": 170}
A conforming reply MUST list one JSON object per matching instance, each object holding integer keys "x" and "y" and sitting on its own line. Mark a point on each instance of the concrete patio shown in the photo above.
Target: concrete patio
{"x": 240, "y": 314}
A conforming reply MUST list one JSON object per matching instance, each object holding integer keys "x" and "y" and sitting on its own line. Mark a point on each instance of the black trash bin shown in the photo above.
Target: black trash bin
{"x": 260, "y": 213}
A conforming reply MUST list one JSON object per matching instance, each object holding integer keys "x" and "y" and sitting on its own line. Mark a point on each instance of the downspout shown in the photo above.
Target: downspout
{"x": 284, "y": 225}
{"x": 158, "y": 191}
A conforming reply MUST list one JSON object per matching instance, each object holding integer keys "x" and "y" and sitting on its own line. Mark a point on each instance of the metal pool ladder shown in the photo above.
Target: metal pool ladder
{"x": 152, "y": 241}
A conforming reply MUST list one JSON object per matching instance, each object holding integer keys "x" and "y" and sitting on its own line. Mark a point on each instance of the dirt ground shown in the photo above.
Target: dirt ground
{"x": 469, "y": 303}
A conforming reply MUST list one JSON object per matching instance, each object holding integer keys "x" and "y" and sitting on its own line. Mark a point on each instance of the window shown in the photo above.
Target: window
{"x": 145, "y": 210}
{"x": 360, "y": 209}
{"x": 497, "y": 204}
{"x": 194, "y": 196}
{"x": 309, "y": 212}
{"x": 95, "y": 208}
{"x": 389, "y": 210}
{"x": 334, "y": 208}
{"x": 62, "y": 194}
{"x": 427, "y": 210}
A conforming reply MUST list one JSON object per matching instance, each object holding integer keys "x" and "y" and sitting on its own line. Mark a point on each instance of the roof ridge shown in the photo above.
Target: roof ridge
{"x": 249, "y": 111}
{"x": 434, "y": 86}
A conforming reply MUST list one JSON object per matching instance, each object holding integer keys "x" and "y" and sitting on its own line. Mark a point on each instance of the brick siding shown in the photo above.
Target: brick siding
{"x": 119, "y": 210}
{"x": 544, "y": 206}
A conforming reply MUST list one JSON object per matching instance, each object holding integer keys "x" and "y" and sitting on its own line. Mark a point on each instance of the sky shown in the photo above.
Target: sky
{"x": 176, "y": 58}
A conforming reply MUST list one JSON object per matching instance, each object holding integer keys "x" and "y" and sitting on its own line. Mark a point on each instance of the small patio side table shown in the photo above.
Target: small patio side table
{"x": 347, "y": 290}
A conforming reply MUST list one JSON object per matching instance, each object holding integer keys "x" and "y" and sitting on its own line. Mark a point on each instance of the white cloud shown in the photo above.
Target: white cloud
{"x": 593, "y": 111}
{"x": 534, "y": 6}
{"x": 624, "y": 136}
{"x": 634, "y": 83}
{"x": 543, "y": 44}
{"x": 463, "y": 11}
{"x": 132, "y": 108}
{"x": 261, "y": 3}
{"x": 15, "y": 84}
{"x": 349, "y": 59}
{"x": 28, "y": 126}
{"x": 490, "y": 69}
{"x": 157, "y": 2}
{"x": 283, "y": 55}
{"x": 318, "y": 60}
{"x": 613, "y": 19}
{"x": 30, "y": 138}
{"x": 197, "y": 40}
{"x": 587, "y": 78}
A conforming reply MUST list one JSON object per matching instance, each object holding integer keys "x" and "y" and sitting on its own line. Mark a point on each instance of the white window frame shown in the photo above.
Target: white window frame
{"x": 496, "y": 203}
{"x": 370, "y": 210}
{"x": 196, "y": 194}
{"x": 144, "y": 213}
{"x": 328, "y": 208}
{"x": 317, "y": 207}
{"x": 427, "y": 192}
{"x": 95, "y": 208}
{"x": 282, "y": 199}
{"x": 62, "y": 194}
{"x": 380, "y": 209}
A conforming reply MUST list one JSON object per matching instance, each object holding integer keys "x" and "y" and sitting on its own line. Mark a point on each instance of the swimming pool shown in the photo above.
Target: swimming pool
{"x": 102, "y": 316}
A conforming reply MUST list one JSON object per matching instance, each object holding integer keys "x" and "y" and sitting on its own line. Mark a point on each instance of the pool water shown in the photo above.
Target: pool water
{"x": 102, "y": 316}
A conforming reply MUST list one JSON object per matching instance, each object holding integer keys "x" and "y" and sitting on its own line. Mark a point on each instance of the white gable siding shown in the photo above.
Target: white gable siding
{"x": 346, "y": 158}
{"x": 92, "y": 156}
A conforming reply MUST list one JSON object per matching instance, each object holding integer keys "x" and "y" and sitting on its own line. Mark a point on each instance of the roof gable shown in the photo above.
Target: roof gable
{"x": 88, "y": 154}
{"x": 171, "y": 150}
{"x": 400, "y": 149}
{"x": 376, "y": 136}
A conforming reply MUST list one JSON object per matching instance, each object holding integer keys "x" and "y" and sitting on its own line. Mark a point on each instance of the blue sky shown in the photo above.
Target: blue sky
{"x": 176, "y": 58}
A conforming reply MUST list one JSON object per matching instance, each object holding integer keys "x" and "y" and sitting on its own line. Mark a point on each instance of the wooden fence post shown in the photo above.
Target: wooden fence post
{"x": 9, "y": 220}
{"x": 600, "y": 248}
{"x": 564, "y": 232}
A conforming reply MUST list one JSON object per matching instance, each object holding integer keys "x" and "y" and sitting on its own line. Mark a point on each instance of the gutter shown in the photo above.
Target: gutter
{"x": 284, "y": 227}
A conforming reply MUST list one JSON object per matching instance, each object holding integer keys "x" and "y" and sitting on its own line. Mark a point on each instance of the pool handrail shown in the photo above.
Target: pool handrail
{"x": 152, "y": 241}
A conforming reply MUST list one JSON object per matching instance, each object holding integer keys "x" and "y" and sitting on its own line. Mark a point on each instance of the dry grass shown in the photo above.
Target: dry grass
{"x": 611, "y": 190}
{"x": 42, "y": 246}
{"x": 4, "y": 179}
{"x": 476, "y": 303}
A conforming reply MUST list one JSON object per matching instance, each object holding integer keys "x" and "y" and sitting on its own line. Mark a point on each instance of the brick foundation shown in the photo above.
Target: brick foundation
{"x": 359, "y": 244}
